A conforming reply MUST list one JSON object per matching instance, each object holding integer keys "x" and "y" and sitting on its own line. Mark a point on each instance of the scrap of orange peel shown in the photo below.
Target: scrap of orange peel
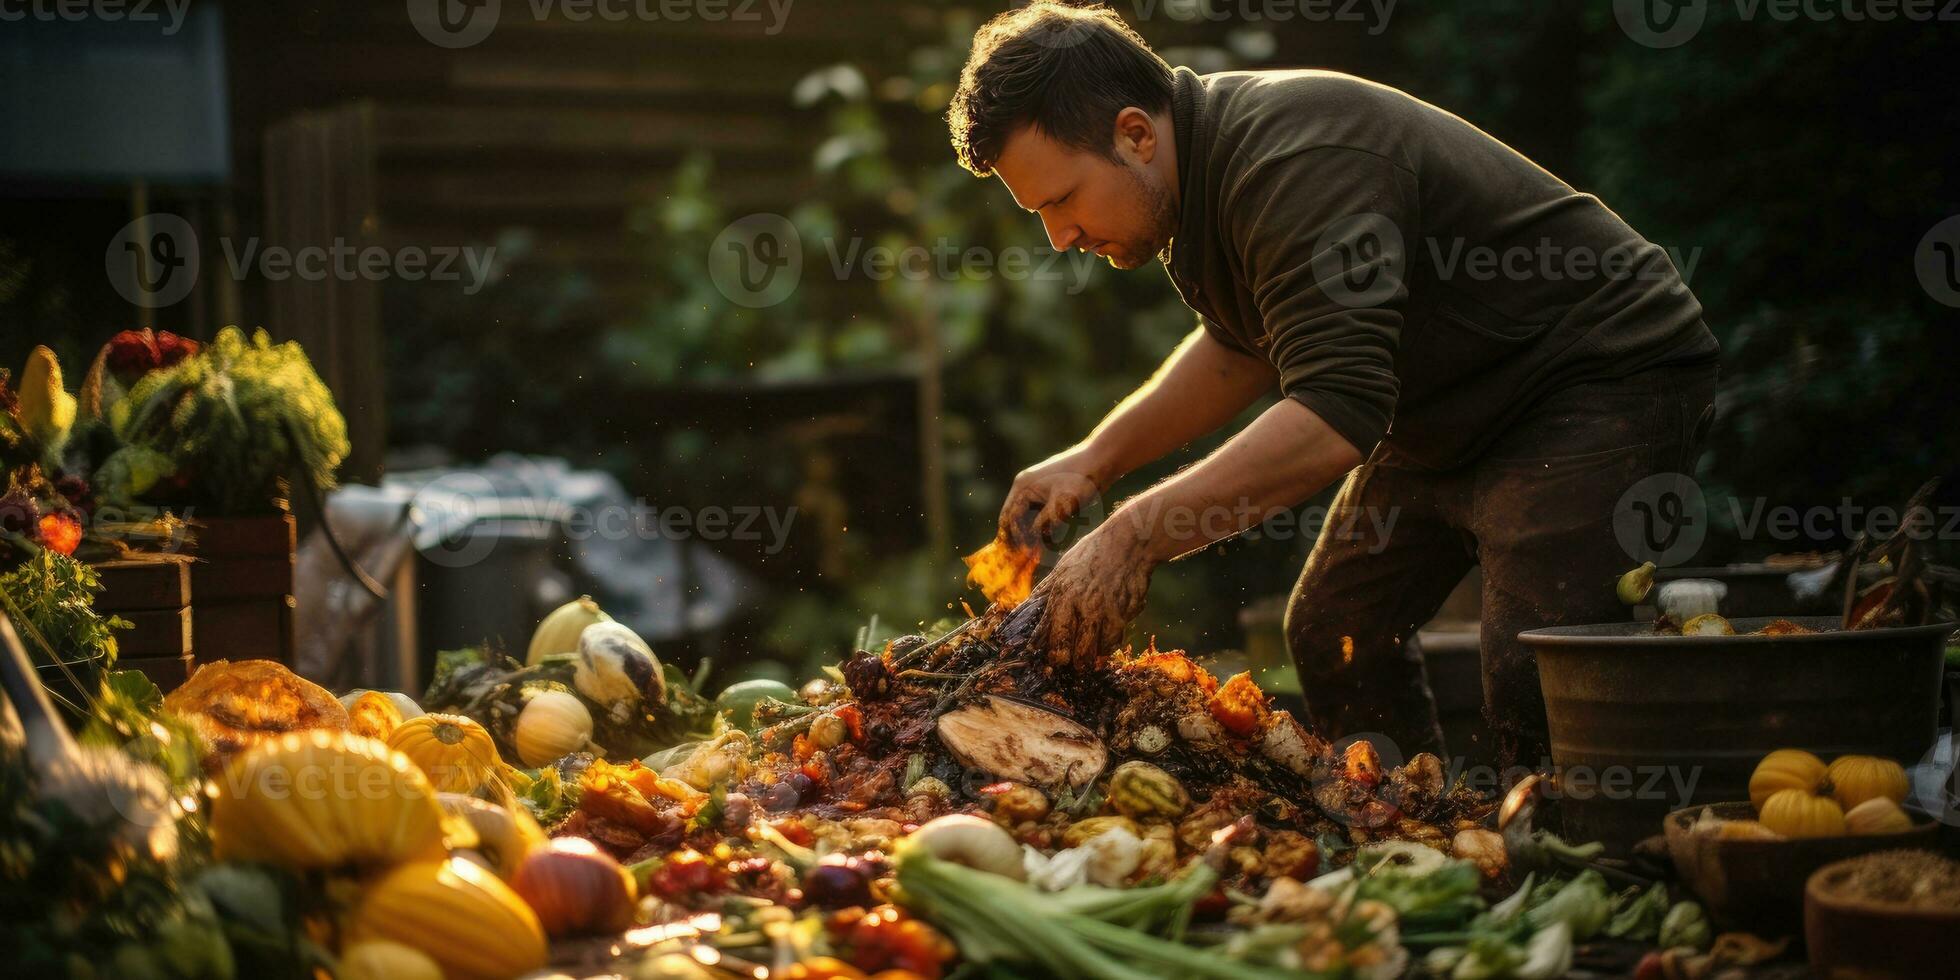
{"x": 1003, "y": 571}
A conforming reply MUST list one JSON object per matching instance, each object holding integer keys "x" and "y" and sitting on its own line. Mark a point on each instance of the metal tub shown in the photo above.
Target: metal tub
{"x": 1621, "y": 699}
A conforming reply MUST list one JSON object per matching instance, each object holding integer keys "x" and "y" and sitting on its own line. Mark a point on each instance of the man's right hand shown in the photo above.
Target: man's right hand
{"x": 1049, "y": 493}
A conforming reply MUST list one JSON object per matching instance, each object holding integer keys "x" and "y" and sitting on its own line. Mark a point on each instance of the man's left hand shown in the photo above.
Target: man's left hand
{"x": 1092, "y": 594}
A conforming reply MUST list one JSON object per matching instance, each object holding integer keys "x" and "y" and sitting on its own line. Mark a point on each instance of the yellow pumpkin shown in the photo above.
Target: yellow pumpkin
{"x": 461, "y": 915}
{"x": 1857, "y": 778}
{"x": 380, "y": 959}
{"x": 1786, "y": 769}
{"x": 1797, "y": 813}
{"x": 320, "y": 799}
{"x": 504, "y": 834}
{"x": 373, "y": 714}
{"x": 455, "y": 752}
{"x": 1745, "y": 830}
{"x": 1877, "y": 815}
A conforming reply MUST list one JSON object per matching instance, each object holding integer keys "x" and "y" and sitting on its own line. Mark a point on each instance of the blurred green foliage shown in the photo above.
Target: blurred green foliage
{"x": 1799, "y": 162}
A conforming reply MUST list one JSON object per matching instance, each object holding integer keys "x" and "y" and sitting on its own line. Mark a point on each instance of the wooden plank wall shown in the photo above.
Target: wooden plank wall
{"x": 561, "y": 127}
{"x": 320, "y": 186}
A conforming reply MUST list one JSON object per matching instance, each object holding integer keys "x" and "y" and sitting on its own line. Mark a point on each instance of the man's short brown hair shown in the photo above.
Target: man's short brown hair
{"x": 1066, "y": 70}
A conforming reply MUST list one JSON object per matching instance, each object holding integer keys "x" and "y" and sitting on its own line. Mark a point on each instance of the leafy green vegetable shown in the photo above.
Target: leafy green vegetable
{"x": 546, "y": 794}
{"x": 1640, "y": 914}
{"x": 1085, "y": 931}
{"x": 1482, "y": 958}
{"x": 239, "y": 417}
{"x": 129, "y": 715}
{"x": 1549, "y": 852}
{"x": 1583, "y": 903}
{"x": 1685, "y": 925}
{"x": 1531, "y": 934}
{"x": 1443, "y": 897}
{"x": 51, "y": 600}
{"x": 261, "y": 909}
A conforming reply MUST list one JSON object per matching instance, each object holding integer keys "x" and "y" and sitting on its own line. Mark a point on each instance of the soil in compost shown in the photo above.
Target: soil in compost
{"x": 1916, "y": 879}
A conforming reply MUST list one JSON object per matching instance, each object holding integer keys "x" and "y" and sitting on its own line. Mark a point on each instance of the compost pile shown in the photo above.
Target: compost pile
{"x": 1114, "y": 774}
{"x": 963, "y": 804}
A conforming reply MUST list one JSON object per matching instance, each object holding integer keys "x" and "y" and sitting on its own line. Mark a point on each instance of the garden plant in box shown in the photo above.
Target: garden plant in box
{"x": 218, "y": 437}
{"x": 222, "y": 430}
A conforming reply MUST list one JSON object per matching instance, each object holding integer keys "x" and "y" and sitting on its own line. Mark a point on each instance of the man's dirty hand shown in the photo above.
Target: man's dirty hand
{"x": 1048, "y": 494}
{"x": 1092, "y": 594}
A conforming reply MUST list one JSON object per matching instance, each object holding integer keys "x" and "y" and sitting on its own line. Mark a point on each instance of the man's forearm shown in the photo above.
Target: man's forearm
{"x": 1285, "y": 456}
{"x": 1200, "y": 386}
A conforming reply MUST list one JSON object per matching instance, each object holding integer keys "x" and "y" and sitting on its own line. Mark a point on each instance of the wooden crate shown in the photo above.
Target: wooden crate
{"x": 243, "y": 581}
{"x": 153, "y": 592}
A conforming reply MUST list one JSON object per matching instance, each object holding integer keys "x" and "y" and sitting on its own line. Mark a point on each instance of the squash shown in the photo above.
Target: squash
{"x": 44, "y": 406}
{"x": 373, "y": 714}
{"x": 1786, "y": 769}
{"x": 381, "y": 959}
{"x": 1083, "y": 831}
{"x": 467, "y": 920}
{"x": 553, "y": 725}
{"x": 1744, "y": 830}
{"x": 324, "y": 799}
{"x": 1017, "y": 803}
{"x": 1707, "y": 624}
{"x": 1858, "y": 778}
{"x": 576, "y": 889}
{"x": 1142, "y": 791}
{"x": 455, "y": 752}
{"x": 1797, "y": 813}
{"x": 504, "y": 835}
{"x": 738, "y": 700}
{"x": 1633, "y": 587}
{"x": 616, "y": 670}
{"x": 559, "y": 631}
{"x": 1878, "y": 815}
{"x": 238, "y": 704}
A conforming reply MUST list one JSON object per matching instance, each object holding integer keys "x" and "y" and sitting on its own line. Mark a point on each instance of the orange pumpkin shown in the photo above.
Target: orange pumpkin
{"x": 455, "y": 752}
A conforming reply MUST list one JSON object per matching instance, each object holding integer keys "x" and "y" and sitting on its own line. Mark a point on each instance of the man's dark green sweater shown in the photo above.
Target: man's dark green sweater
{"x": 1412, "y": 278}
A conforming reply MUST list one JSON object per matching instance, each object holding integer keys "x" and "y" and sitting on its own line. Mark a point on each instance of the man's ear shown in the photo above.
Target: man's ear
{"x": 1136, "y": 132}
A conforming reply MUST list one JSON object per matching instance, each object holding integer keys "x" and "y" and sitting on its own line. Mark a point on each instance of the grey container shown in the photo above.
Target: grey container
{"x": 1663, "y": 710}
